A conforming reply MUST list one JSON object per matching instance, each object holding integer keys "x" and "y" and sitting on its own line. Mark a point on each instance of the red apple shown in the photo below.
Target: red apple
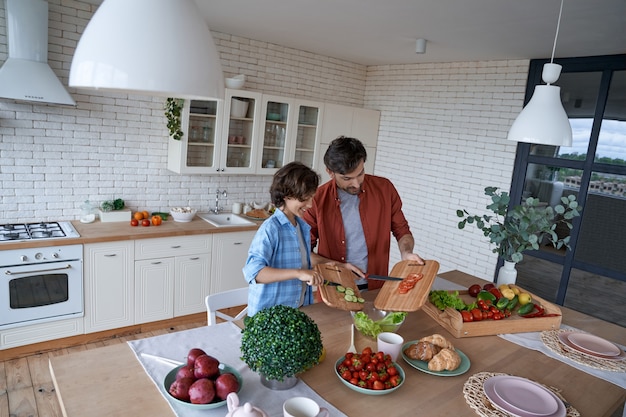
{"x": 225, "y": 384}
{"x": 202, "y": 391}
{"x": 180, "y": 388}
{"x": 186, "y": 372}
{"x": 488, "y": 286}
{"x": 193, "y": 354}
{"x": 206, "y": 366}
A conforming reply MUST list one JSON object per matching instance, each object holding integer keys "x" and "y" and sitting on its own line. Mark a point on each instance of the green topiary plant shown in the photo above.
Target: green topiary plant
{"x": 173, "y": 109}
{"x": 280, "y": 342}
{"x": 524, "y": 226}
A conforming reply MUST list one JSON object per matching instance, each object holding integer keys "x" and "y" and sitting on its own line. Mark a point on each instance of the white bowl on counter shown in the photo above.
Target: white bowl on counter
{"x": 183, "y": 214}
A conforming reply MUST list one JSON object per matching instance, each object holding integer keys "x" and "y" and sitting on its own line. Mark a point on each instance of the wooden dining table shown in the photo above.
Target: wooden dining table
{"x": 110, "y": 381}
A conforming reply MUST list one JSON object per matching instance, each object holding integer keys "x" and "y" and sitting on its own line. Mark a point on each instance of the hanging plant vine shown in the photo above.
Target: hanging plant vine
{"x": 173, "y": 109}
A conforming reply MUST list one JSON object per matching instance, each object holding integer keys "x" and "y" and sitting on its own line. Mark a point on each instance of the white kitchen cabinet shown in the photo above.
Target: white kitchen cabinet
{"x": 290, "y": 132}
{"x": 239, "y": 140}
{"x": 109, "y": 285}
{"x": 230, "y": 251}
{"x": 198, "y": 151}
{"x": 154, "y": 286}
{"x": 359, "y": 123}
{"x": 40, "y": 332}
{"x": 178, "y": 286}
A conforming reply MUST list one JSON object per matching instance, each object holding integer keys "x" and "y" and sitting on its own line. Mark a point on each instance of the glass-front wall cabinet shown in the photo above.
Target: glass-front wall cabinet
{"x": 196, "y": 152}
{"x": 240, "y": 131}
{"x": 201, "y": 133}
{"x": 307, "y": 133}
{"x": 277, "y": 112}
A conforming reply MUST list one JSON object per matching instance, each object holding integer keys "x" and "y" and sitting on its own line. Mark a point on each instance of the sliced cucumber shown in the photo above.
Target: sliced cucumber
{"x": 341, "y": 288}
{"x": 349, "y": 291}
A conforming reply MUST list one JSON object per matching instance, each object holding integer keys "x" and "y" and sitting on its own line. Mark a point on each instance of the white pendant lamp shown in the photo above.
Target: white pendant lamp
{"x": 151, "y": 47}
{"x": 544, "y": 121}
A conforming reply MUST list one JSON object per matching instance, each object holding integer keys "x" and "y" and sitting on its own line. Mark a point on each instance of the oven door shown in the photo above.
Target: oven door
{"x": 42, "y": 292}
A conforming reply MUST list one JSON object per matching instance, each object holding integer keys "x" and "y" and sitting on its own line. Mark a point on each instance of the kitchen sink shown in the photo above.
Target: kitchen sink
{"x": 225, "y": 219}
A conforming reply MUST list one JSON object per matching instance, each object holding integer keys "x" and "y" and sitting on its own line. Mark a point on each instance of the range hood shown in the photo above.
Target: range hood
{"x": 26, "y": 74}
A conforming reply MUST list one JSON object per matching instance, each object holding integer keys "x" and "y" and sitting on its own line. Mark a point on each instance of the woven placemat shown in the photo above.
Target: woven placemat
{"x": 550, "y": 338}
{"x": 477, "y": 400}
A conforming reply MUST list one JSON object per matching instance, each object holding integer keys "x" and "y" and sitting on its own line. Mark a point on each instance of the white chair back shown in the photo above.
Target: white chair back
{"x": 226, "y": 299}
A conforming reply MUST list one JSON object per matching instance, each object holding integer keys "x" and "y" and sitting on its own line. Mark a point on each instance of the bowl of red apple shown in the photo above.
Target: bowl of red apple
{"x": 203, "y": 382}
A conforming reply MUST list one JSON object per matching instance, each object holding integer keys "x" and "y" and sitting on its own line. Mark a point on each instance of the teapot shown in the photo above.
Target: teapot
{"x": 247, "y": 410}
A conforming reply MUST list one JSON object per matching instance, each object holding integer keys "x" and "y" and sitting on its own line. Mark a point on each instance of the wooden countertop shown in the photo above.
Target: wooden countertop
{"x": 97, "y": 232}
{"x": 117, "y": 369}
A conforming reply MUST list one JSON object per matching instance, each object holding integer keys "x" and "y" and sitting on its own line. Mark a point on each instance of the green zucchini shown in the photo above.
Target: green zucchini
{"x": 502, "y": 303}
{"x": 526, "y": 308}
{"x": 511, "y": 305}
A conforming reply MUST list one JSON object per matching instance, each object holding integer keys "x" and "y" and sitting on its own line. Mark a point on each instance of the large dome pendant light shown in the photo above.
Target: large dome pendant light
{"x": 543, "y": 120}
{"x": 150, "y": 47}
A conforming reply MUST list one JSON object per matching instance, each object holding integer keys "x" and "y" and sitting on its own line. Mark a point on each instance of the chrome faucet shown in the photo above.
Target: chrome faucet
{"x": 217, "y": 208}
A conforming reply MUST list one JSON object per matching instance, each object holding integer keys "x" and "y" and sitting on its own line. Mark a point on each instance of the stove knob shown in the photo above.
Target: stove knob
{"x": 23, "y": 258}
{"x": 38, "y": 255}
{"x": 55, "y": 255}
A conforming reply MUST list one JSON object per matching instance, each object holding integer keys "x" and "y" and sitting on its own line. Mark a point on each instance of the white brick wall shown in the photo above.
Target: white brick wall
{"x": 442, "y": 137}
{"x": 442, "y": 140}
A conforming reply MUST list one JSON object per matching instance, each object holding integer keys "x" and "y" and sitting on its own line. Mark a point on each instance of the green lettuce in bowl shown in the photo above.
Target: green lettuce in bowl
{"x": 371, "y": 321}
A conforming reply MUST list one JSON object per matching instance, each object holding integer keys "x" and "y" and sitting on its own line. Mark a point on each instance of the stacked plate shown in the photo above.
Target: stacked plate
{"x": 521, "y": 397}
{"x": 590, "y": 345}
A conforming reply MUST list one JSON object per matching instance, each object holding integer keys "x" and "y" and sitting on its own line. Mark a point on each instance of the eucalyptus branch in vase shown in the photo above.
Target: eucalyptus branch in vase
{"x": 523, "y": 227}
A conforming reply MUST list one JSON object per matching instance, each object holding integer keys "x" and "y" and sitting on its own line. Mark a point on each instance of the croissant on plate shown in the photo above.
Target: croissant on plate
{"x": 423, "y": 351}
{"x": 438, "y": 340}
{"x": 445, "y": 360}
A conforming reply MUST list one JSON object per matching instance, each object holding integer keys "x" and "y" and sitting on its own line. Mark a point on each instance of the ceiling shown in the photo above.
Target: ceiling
{"x": 376, "y": 32}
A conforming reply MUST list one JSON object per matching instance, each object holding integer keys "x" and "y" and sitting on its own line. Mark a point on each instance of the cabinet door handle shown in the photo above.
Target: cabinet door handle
{"x": 175, "y": 247}
{"x": 156, "y": 263}
{"x": 195, "y": 258}
{"x": 110, "y": 255}
{"x": 237, "y": 243}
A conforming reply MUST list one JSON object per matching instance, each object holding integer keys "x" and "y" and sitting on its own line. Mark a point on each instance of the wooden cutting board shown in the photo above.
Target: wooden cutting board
{"x": 329, "y": 293}
{"x": 390, "y": 299}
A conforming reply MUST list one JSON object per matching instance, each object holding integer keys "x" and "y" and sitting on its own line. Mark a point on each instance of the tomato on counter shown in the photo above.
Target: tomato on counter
{"x": 157, "y": 220}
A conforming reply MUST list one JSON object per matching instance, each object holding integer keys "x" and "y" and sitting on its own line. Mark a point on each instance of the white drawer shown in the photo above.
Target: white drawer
{"x": 172, "y": 246}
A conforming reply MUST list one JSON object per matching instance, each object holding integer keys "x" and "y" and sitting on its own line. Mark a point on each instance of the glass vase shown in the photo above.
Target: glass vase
{"x": 507, "y": 273}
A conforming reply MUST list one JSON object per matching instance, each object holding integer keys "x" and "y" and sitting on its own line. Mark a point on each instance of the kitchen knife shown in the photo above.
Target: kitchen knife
{"x": 332, "y": 284}
{"x": 383, "y": 278}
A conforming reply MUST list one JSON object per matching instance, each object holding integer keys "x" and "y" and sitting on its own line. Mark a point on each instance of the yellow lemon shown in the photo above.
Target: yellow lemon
{"x": 524, "y": 298}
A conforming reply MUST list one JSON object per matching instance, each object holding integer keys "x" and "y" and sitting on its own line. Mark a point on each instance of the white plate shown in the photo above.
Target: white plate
{"x": 423, "y": 365}
{"x": 594, "y": 344}
{"x": 564, "y": 339}
{"x": 538, "y": 401}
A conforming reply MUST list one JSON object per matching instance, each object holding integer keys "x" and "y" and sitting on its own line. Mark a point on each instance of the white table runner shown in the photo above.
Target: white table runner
{"x": 222, "y": 341}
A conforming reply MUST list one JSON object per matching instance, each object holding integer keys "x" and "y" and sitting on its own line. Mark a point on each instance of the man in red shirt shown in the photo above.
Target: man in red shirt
{"x": 354, "y": 215}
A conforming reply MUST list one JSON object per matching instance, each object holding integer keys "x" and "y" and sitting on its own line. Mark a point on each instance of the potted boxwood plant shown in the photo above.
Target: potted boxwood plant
{"x": 279, "y": 343}
{"x": 522, "y": 227}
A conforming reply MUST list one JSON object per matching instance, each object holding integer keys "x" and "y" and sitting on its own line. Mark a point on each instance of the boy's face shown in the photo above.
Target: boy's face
{"x": 350, "y": 182}
{"x": 297, "y": 207}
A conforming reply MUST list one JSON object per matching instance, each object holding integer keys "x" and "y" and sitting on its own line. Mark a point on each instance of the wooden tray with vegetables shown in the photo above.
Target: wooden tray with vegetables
{"x": 452, "y": 310}
{"x": 339, "y": 289}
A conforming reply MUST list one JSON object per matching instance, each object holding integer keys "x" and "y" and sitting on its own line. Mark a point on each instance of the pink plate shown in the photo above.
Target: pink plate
{"x": 521, "y": 397}
{"x": 564, "y": 339}
{"x": 594, "y": 344}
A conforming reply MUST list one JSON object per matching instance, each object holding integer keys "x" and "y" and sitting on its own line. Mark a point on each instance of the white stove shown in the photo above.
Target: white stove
{"x": 19, "y": 232}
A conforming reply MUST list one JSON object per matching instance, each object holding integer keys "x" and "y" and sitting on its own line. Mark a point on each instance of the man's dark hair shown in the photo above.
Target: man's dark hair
{"x": 344, "y": 155}
{"x": 294, "y": 180}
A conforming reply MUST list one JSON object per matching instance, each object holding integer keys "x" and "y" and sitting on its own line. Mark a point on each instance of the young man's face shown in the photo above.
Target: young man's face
{"x": 350, "y": 182}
